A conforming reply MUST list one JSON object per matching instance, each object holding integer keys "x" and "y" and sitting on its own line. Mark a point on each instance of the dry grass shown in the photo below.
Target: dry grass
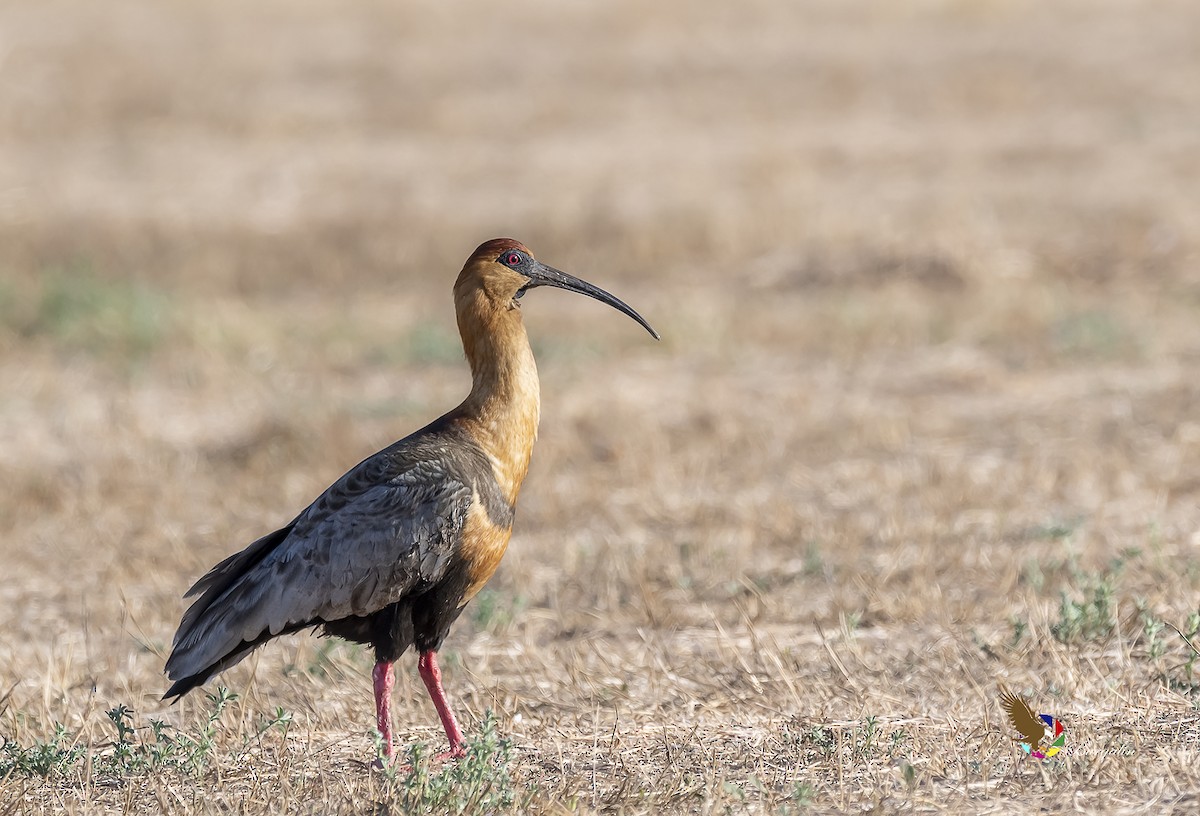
{"x": 926, "y": 415}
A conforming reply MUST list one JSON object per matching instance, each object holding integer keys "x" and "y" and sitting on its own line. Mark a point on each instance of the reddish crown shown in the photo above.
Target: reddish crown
{"x": 491, "y": 250}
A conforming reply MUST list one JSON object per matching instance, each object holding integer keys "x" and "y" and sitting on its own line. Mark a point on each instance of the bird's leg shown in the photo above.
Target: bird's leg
{"x": 432, "y": 675}
{"x": 383, "y": 678}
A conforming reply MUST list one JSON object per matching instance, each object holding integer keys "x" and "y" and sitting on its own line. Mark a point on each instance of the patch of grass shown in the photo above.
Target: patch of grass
{"x": 1089, "y": 613}
{"x": 1189, "y": 635}
{"x": 814, "y": 563}
{"x": 1020, "y": 630}
{"x": 327, "y": 652}
{"x": 823, "y": 739}
{"x": 134, "y": 755}
{"x": 493, "y": 611}
{"x": 480, "y": 782}
{"x": 431, "y": 343}
{"x": 801, "y": 796}
{"x": 865, "y": 739}
{"x": 80, "y": 311}
{"x": 857, "y": 743}
{"x": 57, "y": 756}
{"x": 1056, "y": 529}
{"x": 1152, "y": 629}
{"x": 740, "y": 797}
{"x": 1091, "y": 334}
{"x": 135, "y": 751}
{"x": 1182, "y": 678}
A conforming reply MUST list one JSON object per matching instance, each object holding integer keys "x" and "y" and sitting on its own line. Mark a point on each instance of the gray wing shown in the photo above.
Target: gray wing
{"x": 373, "y": 536}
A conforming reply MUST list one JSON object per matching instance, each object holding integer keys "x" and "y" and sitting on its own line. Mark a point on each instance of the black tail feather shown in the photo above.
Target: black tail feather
{"x": 183, "y": 685}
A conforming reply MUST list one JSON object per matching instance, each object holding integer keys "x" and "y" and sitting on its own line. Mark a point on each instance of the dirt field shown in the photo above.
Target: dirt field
{"x": 925, "y": 417}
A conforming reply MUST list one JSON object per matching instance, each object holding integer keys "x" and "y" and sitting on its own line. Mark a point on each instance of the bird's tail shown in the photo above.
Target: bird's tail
{"x": 208, "y": 639}
{"x": 185, "y": 684}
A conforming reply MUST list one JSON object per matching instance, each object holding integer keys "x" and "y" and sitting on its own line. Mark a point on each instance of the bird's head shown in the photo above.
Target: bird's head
{"x": 503, "y": 270}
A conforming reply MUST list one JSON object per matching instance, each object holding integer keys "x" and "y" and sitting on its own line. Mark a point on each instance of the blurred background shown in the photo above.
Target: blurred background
{"x": 928, "y": 280}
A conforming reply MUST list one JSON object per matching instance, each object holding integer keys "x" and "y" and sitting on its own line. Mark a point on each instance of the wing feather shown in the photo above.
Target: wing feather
{"x": 381, "y": 530}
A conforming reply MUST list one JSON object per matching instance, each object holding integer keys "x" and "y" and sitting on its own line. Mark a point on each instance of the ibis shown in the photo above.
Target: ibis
{"x": 391, "y": 553}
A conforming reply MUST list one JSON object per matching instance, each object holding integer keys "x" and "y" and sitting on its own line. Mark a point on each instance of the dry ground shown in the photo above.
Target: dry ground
{"x": 925, "y": 417}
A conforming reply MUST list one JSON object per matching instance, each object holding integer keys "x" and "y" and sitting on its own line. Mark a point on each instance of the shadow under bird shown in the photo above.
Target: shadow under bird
{"x": 390, "y": 554}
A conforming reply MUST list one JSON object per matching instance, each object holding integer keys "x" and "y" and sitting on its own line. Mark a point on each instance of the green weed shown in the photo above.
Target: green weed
{"x": 1188, "y": 683}
{"x": 57, "y": 756}
{"x": 79, "y": 311}
{"x": 823, "y": 739}
{"x": 1092, "y": 334}
{"x": 1089, "y": 614}
{"x": 1020, "y": 629}
{"x": 134, "y": 751}
{"x": 478, "y": 783}
{"x": 802, "y": 795}
{"x": 494, "y": 612}
{"x": 1152, "y": 628}
{"x": 433, "y": 344}
{"x": 163, "y": 746}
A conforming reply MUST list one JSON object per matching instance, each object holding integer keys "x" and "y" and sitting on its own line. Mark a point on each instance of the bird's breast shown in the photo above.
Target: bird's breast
{"x": 506, "y": 437}
{"x": 483, "y": 545}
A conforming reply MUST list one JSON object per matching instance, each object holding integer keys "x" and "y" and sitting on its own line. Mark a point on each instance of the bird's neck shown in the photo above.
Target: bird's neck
{"x": 503, "y": 408}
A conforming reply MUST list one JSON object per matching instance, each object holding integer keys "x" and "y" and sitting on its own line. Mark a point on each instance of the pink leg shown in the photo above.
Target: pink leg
{"x": 383, "y": 679}
{"x": 432, "y": 675}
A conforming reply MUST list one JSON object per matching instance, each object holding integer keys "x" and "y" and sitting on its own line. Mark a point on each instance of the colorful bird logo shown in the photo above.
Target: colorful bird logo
{"x": 1042, "y": 736}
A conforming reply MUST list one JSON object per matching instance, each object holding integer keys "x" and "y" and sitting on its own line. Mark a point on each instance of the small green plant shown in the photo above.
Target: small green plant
{"x": 1020, "y": 629}
{"x": 164, "y": 747}
{"x": 1056, "y": 529}
{"x": 131, "y": 753}
{"x": 734, "y": 791}
{"x": 1188, "y": 684}
{"x": 1152, "y": 628}
{"x": 198, "y": 750}
{"x": 869, "y": 732}
{"x": 54, "y": 757}
{"x": 478, "y": 783}
{"x": 281, "y": 720}
{"x": 823, "y": 739}
{"x": 1189, "y": 635}
{"x": 1091, "y": 334}
{"x": 802, "y": 794}
{"x": 491, "y": 613}
{"x": 1091, "y": 618}
{"x": 1033, "y": 575}
{"x": 431, "y": 343}
{"x": 82, "y": 311}
{"x": 850, "y": 623}
{"x": 814, "y": 563}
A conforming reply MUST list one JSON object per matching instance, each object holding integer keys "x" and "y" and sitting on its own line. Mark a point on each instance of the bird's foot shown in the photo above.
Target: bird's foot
{"x": 391, "y": 764}
{"x": 456, "y": 752}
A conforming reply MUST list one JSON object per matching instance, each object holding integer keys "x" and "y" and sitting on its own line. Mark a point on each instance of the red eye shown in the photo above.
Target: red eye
{"x": 513, "y": 259}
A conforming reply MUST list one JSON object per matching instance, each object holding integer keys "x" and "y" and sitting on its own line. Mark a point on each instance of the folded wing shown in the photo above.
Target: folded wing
{"x": 383, "y": 530}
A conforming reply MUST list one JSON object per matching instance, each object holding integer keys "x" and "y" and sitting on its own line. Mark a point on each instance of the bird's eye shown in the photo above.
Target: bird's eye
{"x": 512, "y": 259}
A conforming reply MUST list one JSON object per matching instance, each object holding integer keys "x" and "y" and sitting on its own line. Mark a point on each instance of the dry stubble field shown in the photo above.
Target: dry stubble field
{"x": 924, "y": 418}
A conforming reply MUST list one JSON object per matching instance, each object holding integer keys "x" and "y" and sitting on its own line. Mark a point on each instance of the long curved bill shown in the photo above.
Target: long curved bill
{"x": 543, "y": 275}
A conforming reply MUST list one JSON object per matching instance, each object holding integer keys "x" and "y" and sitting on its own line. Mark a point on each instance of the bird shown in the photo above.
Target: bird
{"x": 1028, "y": 725}
{"x": 391, "y": 553}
